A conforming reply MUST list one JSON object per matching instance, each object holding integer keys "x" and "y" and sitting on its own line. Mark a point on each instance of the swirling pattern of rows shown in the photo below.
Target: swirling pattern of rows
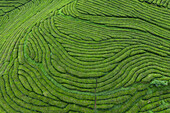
{"x": 89, "y": 56}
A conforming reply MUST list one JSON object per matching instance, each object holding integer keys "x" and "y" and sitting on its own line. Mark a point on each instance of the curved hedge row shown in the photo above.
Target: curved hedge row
{"x": 85, "y": 56}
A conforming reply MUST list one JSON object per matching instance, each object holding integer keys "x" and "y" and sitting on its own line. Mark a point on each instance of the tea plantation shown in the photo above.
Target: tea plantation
{"x": 84, "y": 56}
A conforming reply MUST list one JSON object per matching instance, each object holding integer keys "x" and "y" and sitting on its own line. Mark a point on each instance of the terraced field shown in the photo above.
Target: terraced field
{"x": 85, "y": 56}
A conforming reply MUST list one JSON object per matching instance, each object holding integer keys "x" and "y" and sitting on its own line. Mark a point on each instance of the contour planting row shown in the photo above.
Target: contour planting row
{"x": 8, "y": 6}
{"x": 58, "y": 72}
{"x": 135, "y": 23}
{"x": 31, "y": 85}
{"x": 163, "y": 3}
{"x": 121, "y": 100}
{"x": 101, "y": 66}
{"x": 134, "y": 68}
{"x": 151, "y": 68}
{"x": 59, "y": 68}
{"x": 141, "y": 71}
{"x": 9, "y": 51}
{"x": 36, "y": 94}
{"x": 11, "y": 32}
{"x": 143, "y": 51}
{"x": 130, "y": 8}
{"x": 137, "y": 98}
{"x": 114, "y": 32}
{"x": 157, "y": 101}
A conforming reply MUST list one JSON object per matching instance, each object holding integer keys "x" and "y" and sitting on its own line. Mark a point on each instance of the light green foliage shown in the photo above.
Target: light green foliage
{"x": 84, "y": 56}
{"x": 159, "y": 83}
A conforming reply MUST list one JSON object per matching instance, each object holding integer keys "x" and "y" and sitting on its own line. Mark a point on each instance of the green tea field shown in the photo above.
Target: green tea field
{"x": 84, "y": 56}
